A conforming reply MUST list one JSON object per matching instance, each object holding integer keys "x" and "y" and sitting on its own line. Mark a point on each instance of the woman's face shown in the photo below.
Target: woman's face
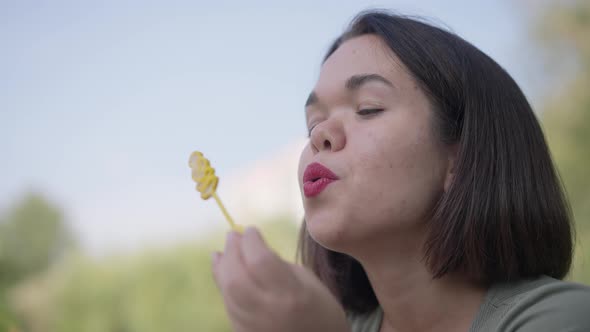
{"x": 371, "y": 125}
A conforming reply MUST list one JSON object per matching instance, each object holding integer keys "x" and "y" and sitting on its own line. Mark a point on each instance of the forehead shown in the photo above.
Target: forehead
{"x": 366, "y": 54}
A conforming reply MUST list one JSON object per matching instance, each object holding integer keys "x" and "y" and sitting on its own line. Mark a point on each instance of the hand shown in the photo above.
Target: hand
{"x": 263, "y": 293}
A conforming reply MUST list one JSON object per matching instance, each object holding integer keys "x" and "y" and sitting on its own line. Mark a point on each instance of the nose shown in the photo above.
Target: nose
{"x": 328, "y": 136}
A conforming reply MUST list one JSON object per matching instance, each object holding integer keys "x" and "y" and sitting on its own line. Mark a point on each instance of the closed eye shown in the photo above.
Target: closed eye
{"x": 369, "y": 111}
{"x": 309, "y": 132}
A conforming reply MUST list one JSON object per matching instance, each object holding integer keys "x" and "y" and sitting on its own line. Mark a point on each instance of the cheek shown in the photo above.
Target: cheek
{"x": 399, "y": 180}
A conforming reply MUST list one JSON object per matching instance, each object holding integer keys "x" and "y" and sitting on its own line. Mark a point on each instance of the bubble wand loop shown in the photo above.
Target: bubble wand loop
{"x": 204, "y": 175}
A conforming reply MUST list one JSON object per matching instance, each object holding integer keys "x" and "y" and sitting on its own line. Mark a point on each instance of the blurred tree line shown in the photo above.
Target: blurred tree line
{"x": 33, "y": 237}
{"x": 163, "y": 290}
{"x": 47, "y": 286}
{"x": 565, "y": 30}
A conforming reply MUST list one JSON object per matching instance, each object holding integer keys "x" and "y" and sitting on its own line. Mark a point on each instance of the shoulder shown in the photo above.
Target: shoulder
{"x": 369, "y": 322}
{"x": 543, "y": 304}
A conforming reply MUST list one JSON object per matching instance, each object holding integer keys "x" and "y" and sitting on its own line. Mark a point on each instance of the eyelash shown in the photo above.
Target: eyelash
{"x": 363, "y": 112}
{"x": 369, "y": 111}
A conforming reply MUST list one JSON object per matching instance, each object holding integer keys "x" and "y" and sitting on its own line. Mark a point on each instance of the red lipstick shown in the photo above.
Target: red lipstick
{"x": 316, "y": 178}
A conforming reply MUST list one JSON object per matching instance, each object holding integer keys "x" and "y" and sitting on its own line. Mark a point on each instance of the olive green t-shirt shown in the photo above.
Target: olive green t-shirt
{"x": 540, "y": 305}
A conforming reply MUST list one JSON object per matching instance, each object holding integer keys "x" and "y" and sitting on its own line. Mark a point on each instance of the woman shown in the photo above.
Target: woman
{"x": 431, "y": 201}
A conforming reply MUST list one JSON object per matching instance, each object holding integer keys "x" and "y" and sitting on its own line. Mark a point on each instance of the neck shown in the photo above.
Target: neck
{"x": 410, "y": 298}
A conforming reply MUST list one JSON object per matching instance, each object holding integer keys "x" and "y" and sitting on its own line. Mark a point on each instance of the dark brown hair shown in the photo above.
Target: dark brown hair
{"x": 505, "y": 217}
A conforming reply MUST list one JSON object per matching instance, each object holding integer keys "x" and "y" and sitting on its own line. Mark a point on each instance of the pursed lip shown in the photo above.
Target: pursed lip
{"x": 316, "y": 178}
{"x": 316, "y": 171}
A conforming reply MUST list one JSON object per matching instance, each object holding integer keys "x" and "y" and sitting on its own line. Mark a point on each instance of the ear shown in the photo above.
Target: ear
{"x": 451, "y": 163}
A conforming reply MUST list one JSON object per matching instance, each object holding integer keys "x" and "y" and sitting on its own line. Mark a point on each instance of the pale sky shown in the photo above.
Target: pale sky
{"x": 101, "y": 104}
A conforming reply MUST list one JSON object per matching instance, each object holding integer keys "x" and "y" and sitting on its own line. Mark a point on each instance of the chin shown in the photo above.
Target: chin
{"x": 332, "y": 233}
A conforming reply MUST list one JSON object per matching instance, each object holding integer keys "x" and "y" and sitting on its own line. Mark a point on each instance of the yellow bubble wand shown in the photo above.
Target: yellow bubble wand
{"x": 204, "y": 175}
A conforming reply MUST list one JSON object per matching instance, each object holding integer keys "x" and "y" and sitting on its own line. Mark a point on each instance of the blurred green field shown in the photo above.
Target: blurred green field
{"x": 157, "y": 290}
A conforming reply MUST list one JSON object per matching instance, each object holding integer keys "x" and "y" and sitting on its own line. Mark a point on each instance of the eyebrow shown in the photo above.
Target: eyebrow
{"x": 353, "y": 83}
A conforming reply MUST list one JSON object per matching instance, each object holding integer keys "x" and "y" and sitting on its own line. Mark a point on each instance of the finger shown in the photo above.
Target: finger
{"x": 227, "y": 263}
{"x": 265, "y": 267}
{"x": 232, "y": 253}
{"x": 234, "y": 282}
{"x": 243, "y": 318}
{"x": 215, "y": 258}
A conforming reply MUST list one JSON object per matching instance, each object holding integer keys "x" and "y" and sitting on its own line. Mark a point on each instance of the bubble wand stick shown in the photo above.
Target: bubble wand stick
{"x": 204, "y": 175}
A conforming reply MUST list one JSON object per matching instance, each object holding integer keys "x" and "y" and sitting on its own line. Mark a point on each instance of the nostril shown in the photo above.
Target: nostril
{"x": 327, "y": 145}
